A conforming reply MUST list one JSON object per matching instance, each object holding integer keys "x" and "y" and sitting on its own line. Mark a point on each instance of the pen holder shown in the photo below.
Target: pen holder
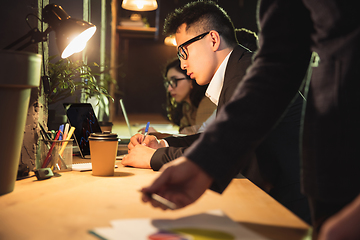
{"x": 57, "y": 155}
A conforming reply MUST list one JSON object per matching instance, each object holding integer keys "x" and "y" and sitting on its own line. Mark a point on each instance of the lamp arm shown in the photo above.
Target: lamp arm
{"x": 35, "y": 37}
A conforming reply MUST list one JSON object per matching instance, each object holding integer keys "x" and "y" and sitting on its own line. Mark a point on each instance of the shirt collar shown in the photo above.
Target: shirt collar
{"x": 215, "y": 86}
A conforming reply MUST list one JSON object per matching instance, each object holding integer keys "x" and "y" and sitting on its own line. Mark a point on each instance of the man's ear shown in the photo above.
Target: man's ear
{"x": 215, "y": 40}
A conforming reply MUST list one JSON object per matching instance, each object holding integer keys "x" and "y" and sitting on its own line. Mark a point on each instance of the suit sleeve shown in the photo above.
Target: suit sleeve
{"x": 184, "y": 141}
{"x": 165, "y": 155}
{"x": 176, "y": 149}
{"x": 262, "y": 96}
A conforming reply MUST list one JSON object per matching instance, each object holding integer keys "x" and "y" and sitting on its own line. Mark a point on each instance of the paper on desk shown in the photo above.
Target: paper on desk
{"x": 213, "y": 225}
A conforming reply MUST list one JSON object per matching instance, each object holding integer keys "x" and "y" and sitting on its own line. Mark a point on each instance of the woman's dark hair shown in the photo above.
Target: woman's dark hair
{"x": 174, "y": 109}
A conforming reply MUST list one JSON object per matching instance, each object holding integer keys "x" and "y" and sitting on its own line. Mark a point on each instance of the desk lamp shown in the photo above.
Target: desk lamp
{"x": 139, "y": 5}
{"x": 71, "y": 34}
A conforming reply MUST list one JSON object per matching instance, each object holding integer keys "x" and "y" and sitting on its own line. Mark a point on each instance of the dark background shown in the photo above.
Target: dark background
{"x": 141, "y": 87}
{"x": 142, "y": 60}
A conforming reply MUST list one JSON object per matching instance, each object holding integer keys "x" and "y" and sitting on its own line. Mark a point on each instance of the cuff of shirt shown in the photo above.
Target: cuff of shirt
{"x": 165, "y": 142}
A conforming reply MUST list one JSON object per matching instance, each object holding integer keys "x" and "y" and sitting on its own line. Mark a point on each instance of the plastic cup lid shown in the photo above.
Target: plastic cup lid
{"x": 104, "y": 136}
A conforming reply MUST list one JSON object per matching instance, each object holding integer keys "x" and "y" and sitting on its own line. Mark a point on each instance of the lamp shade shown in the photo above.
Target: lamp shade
{"x": 71, "y": 34}
{"x": 139, "y": 5}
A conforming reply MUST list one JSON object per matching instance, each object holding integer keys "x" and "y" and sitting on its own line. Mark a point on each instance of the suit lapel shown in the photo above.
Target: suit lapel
{"x": 230, "y": 79}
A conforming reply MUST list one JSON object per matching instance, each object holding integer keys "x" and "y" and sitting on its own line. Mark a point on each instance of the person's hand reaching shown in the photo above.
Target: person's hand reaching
{"x": 181, "y": 182}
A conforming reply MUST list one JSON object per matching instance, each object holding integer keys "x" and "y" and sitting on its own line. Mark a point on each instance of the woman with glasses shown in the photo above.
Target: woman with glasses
{"x": 183, "y": 98}
{"x": 186, "y": 104}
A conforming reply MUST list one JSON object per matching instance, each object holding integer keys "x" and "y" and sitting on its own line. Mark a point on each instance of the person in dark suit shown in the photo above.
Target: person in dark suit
{"x": 291, "y": 32}
{"x": 275, "y": 165}
{"x": 239, "y": 59}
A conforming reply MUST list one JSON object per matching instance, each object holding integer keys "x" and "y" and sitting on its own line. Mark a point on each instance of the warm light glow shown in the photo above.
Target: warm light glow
{"x": 78, "y": 43}
{"x": 139, "y": 5}
{"x": 170, "y": 41}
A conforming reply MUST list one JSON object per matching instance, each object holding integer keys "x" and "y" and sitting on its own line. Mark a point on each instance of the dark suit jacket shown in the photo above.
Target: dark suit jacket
{"x": 239, "y": 61}
{"x": 274, "y": 166}
{"x": 290, "y": 31}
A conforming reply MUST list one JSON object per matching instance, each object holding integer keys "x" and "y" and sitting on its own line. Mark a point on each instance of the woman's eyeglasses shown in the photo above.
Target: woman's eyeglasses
{"x": 172, "y": 82}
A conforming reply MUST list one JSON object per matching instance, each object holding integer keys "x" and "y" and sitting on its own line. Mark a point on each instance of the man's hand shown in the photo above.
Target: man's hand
{"x": 181, "y": 182}
{"x": 150, "y": 141}
{"x": 138, "y": 157}
{"x": 344, "y": 224}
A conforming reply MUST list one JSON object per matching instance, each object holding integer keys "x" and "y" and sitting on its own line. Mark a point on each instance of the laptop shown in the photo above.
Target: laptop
{"x": 83, "y": 118}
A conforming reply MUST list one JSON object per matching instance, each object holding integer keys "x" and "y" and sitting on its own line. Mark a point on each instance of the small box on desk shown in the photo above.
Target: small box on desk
{"x": 56, "y": 154}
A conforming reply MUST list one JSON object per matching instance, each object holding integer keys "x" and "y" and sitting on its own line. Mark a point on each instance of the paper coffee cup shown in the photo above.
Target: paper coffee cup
{"x": 103, "y": 149}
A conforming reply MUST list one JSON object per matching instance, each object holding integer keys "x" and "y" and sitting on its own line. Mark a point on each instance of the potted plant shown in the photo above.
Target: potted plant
{"x": 72, "y": 78}
{"x": 68, "y": 76}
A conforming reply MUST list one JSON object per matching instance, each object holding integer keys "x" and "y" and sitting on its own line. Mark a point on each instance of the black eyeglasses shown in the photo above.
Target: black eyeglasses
{"x": 182, "y": 51}
{"x": 172, "y": 82}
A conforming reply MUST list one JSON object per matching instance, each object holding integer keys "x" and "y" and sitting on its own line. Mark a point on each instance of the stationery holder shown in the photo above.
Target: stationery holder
{"x": 56, "y": 154}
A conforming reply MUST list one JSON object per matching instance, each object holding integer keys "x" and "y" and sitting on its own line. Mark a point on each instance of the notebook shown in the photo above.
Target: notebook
{"x": 82, "y": 117}
{"x": 83, "y": 167}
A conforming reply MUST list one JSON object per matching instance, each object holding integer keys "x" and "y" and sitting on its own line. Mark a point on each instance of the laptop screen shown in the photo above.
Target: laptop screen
{"x": 82, "y": 117}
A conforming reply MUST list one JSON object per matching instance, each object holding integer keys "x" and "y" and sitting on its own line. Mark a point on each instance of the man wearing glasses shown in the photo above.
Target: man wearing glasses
{"x": 291, "y": 32}
{"x": 209, "y": 51}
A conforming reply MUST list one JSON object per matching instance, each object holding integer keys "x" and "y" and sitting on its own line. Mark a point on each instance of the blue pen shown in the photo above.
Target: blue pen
{"x": 146, "y": 131}
{"x": 61, "y": 129}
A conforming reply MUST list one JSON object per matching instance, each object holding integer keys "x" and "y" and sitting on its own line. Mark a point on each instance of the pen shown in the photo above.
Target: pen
{"x": 66, "y": 130}
{"x": 71, "y": 131}
{"x": 47, "y": 159}
{"x": 146, "y": 131}
{"x": 61, "y": 129}
{"x": 161, "y": 200}
{"x": 44, "y": 136}
{"x": 47, "y": 137}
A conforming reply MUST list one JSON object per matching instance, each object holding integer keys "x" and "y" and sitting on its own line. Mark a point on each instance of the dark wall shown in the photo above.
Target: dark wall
{"x": 140, "y": 74}
{"x": 12, "y": 16}
{"x": 141, "y": 88}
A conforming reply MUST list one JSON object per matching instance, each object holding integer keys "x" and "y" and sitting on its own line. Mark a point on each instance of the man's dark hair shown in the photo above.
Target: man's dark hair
{"x": 203, "y": 16}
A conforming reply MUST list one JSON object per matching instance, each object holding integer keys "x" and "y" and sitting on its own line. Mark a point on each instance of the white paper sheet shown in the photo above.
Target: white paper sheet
{"x": 213, "y": 225}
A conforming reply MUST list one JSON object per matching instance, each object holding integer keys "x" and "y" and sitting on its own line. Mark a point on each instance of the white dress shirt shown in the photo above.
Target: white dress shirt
{"x": 213, "y": 91}
{"x": 215, "y": 86}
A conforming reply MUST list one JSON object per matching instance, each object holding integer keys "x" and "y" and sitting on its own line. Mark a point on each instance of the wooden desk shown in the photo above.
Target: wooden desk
{"x": 138, "y": 121}
{"x": 67, "y": 207}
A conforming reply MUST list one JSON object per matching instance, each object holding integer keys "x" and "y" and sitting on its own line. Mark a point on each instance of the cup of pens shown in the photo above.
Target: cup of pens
{"x": 56, "y": 154}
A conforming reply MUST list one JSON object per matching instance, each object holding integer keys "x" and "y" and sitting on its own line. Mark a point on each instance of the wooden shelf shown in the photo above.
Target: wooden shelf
{"x": 136, "y": 32}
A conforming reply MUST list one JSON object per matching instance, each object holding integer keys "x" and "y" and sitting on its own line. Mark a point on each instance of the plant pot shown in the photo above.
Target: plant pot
{"x": 19, "y": 72}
